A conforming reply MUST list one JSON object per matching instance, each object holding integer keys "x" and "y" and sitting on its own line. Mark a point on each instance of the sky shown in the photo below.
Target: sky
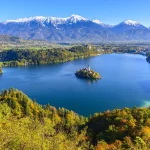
{"x": 108, "y": 11}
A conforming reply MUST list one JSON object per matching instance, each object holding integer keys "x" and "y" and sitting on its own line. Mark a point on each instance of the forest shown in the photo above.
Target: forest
{"x": 39, "y": 55}
{"x": 26, "y": 125}
{"x": 36, "y": 57}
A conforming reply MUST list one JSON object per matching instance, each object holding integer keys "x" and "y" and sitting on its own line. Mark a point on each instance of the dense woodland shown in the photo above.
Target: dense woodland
{"x": 26, "y": 125}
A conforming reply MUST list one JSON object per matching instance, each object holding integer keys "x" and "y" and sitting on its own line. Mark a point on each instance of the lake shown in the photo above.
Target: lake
{"x": 125, "y": 83}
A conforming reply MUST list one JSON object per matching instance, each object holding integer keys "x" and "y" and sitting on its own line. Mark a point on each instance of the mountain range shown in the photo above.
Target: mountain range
{"x": 73, "y": 29}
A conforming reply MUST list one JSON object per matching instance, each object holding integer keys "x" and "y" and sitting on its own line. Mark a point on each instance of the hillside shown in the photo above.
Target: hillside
{"x": 9, "y": 39}
{"x": 12, "y": 42}
{"x": 45, "y": 127}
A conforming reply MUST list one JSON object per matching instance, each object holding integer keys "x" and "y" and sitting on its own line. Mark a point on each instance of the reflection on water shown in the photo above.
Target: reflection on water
{"x": 88, "y": 81}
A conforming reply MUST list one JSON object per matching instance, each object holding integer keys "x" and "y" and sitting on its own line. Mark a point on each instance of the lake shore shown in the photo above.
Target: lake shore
{"x": 84, "y": 96}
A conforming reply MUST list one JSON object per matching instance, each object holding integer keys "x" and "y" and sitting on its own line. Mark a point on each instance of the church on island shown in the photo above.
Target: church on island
{"x": 87, "y": 69}
{"x": 87, "y": 73}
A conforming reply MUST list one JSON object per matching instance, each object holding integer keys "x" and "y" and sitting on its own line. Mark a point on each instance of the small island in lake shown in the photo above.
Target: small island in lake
{"x": 87, "y": 73}
{"x": 1, "y": 71}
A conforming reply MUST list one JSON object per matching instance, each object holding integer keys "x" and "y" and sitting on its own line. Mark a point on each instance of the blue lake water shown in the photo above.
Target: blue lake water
{"x": 125, "y": 83}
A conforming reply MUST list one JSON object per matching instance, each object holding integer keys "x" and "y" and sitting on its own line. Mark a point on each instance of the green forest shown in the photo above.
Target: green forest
{"x": 27, "y": 56}
{"x": 36, "y": 57}
{"x": 27, "y": 125}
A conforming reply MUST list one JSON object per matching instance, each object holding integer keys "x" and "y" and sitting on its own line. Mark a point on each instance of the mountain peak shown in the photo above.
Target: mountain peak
{"x": 74, "y": 18}
{"x": 77, "y": 16}
{"x": 131, "y": 22}
{"x": 97, "y": 21}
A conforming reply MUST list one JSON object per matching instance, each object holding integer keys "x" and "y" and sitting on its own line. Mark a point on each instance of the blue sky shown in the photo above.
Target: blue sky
{"x": 107, "y": 11}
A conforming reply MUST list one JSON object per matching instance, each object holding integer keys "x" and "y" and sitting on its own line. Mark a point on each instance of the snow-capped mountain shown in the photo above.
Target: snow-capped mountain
{"x": 102, "y": 24}
{"x": 98, "y": 22}
{"x": 131, "y": 22}
{"x": 53, "y": 20}
{"x": 73, "y": 29}
{"x": 128, "y": 25}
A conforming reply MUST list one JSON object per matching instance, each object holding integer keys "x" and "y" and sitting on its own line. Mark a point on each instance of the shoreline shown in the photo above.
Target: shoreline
{"x": 92, "y": 55}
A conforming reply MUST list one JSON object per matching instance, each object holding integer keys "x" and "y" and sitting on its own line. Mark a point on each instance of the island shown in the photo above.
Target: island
{"x": 87, "y": 73}
{"x": 1, "y": 71}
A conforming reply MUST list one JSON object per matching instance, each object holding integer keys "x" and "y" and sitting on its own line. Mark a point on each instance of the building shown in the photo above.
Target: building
{"x": 89, "y": 69}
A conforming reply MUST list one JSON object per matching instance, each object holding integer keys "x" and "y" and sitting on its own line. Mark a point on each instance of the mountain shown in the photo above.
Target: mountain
{"x": 128, "y": 25}
{"x": 73, "y": 29}
{"x": 130, "y": 30}
{"x": 48, "y": 20}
